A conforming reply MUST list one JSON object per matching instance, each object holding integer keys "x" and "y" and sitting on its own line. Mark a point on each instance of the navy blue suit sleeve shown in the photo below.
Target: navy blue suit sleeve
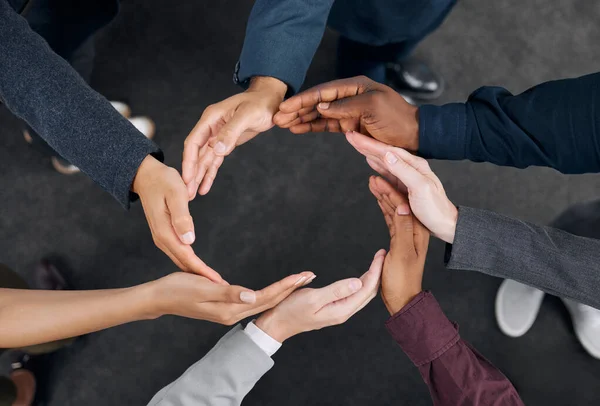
{"x": 282, "y": 37}
{"x": 41, "y": 88}
{"x": 554, "y": 124}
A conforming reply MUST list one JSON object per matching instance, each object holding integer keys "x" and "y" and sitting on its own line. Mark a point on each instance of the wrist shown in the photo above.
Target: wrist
{"x": 148, "y": 166}
{"x": 268, "y": 323}
{"x": 395, "y": 304}
{"x": 143, "y": 302}
{"x": 448, "y": 228}
{"x": 412, "y": 143}
{"x": 269, "y": 85}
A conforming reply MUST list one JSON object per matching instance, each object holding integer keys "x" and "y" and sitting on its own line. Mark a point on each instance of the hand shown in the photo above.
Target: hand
{"x": 313, "y": 309}
{"x": 354, "y": 104}
{"x": 426, "y": 195}
{"x": 402, "y": 276}
{"x": 225, "y": 125}
{"x": 165, "y": 202}
{"x": 196, "y": 297}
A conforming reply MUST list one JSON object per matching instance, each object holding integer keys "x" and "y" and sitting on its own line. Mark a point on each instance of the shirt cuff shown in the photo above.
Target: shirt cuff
{"x": 442, "y": 131}
{"x": 422, "y": 329}
{"x": 266, "y": 343}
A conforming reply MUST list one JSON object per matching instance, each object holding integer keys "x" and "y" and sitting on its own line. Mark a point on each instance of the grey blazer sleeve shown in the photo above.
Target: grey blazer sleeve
{"x": 552, "y": 260}
{"x": 222, "y": 378}
{"x": 41, "y": 88}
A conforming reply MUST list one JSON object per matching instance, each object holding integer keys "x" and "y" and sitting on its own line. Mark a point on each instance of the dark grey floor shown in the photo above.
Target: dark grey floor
{"x": 284, "y": 203}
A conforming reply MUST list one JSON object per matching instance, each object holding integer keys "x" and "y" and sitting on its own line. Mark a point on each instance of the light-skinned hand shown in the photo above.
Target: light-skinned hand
{"x": 225, "y": 125}
{"x": 402, "y": 276}
{"x": 194, "y": 296}
{"x": 314, "y": 309}
{"x": 165, "y": 201}
{"x": 354, "y": 104}
{"x": 426, "y": 195}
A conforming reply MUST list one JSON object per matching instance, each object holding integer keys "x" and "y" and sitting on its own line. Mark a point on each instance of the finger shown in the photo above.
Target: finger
{"x": 346, "y": 307}
{"x": 326, "y": 92}
{"x": 303, "y": 118}
{"x": 367, "y": 145}
{"x": 190, "y": 262}
{"x": 393, "y": 197}
{"x": 320, "y": 125}
{"x": 202, "y": 163}
{"x": 197, "y": 139}
{"x": 178, "y": 207}
{"x": 292, "y": 282}
{"x": 285, "y": 120}
{"x": 403, "y": 241}
{"x": 389, "y": 219}
{"x": 409, "y": 175}
{"x": 210, "y": 175}
{"x": 228, "y": 135}
{"x": 337, "y": 291}
{"x": 229, "y": 294}
{"x": 349, "y": 107}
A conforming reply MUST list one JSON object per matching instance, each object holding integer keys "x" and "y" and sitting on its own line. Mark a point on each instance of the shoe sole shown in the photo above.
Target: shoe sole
{"x": 500, "y": 319}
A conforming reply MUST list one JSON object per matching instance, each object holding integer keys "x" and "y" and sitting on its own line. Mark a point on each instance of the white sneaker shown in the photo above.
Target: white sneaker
{"x": 517, "y": 307}
{"x": 586, "y": 323}
{"x": 122, "y": 108}
{"x": 145, "y": 125}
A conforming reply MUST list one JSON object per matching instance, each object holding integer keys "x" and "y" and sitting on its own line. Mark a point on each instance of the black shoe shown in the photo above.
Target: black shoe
{"x": 414, "y": 79}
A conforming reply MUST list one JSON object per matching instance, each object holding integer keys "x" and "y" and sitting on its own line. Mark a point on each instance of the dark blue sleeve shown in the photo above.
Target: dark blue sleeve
{"x": 282, "y": 37}
{"x": 41, "y": 88}
{"x": 554, "y": 124}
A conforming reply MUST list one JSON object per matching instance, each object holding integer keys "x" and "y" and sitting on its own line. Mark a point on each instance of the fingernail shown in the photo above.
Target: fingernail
{"x": 354, "y": 286}
{"x": 402, "y": 210}
{"x": 188, "y": 237}
{"x": 309, "y": 280}
{"x": 220, "y": 148}
{"x": 324, "y": 106}
{"x": 390, "y": 158}
{"x": 248, "y": 297}
{"x": 299, "y": 281}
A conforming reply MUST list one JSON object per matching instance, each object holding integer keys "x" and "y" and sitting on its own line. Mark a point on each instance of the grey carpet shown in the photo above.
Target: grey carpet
{"x": 284, "y": 203}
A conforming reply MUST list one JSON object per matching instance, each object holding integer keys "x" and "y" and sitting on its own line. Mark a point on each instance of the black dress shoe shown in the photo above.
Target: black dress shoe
{"x": 414, "y": 79}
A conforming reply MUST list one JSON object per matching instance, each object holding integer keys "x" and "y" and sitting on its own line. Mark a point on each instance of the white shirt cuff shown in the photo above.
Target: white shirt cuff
{"x": 266, "y": 343}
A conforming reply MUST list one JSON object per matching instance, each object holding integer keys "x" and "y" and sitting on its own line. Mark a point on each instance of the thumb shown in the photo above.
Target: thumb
{"x": 349, "y": 107}
{"x": 403, "y": 239}
{"x": 181, "y": 219}
{"x": 227, "y": 137}
{"x": 230, "y": 294}
{"x": 338, "y": 290}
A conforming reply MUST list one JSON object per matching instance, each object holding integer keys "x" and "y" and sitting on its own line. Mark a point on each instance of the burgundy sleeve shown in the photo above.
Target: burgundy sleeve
{"x": 455, "y": 372}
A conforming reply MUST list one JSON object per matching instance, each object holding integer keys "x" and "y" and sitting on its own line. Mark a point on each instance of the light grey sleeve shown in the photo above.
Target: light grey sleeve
{"x": 222, "y": 378}
{"x": 549, "y": 259}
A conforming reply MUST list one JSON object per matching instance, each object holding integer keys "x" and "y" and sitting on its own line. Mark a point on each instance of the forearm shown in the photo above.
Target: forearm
{"x": 32, "y": 317}
{"x": 553, "y": 124}
{"x": 455, "y": 373}
{"x": 281, "y": 40}
{"x": 552, "y": 260}
{"x": 41, "y": 88}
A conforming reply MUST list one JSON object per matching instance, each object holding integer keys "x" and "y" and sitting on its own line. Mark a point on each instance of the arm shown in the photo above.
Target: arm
{"x": 54, "y": 315}
{"x": 455, "y": 372}
{"x": 552, "y": 260}
{"x": 222, "y": 378}
{"x": 281, "y": 40}
{"x": 41, "y": 88}
{"x": 553, "y": 124}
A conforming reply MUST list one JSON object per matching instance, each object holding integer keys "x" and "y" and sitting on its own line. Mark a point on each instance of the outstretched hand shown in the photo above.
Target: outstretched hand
{"x": 314, "y": 309}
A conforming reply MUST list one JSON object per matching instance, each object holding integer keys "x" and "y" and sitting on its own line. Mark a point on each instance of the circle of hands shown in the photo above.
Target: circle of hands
{"x": 380, "y": 125}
